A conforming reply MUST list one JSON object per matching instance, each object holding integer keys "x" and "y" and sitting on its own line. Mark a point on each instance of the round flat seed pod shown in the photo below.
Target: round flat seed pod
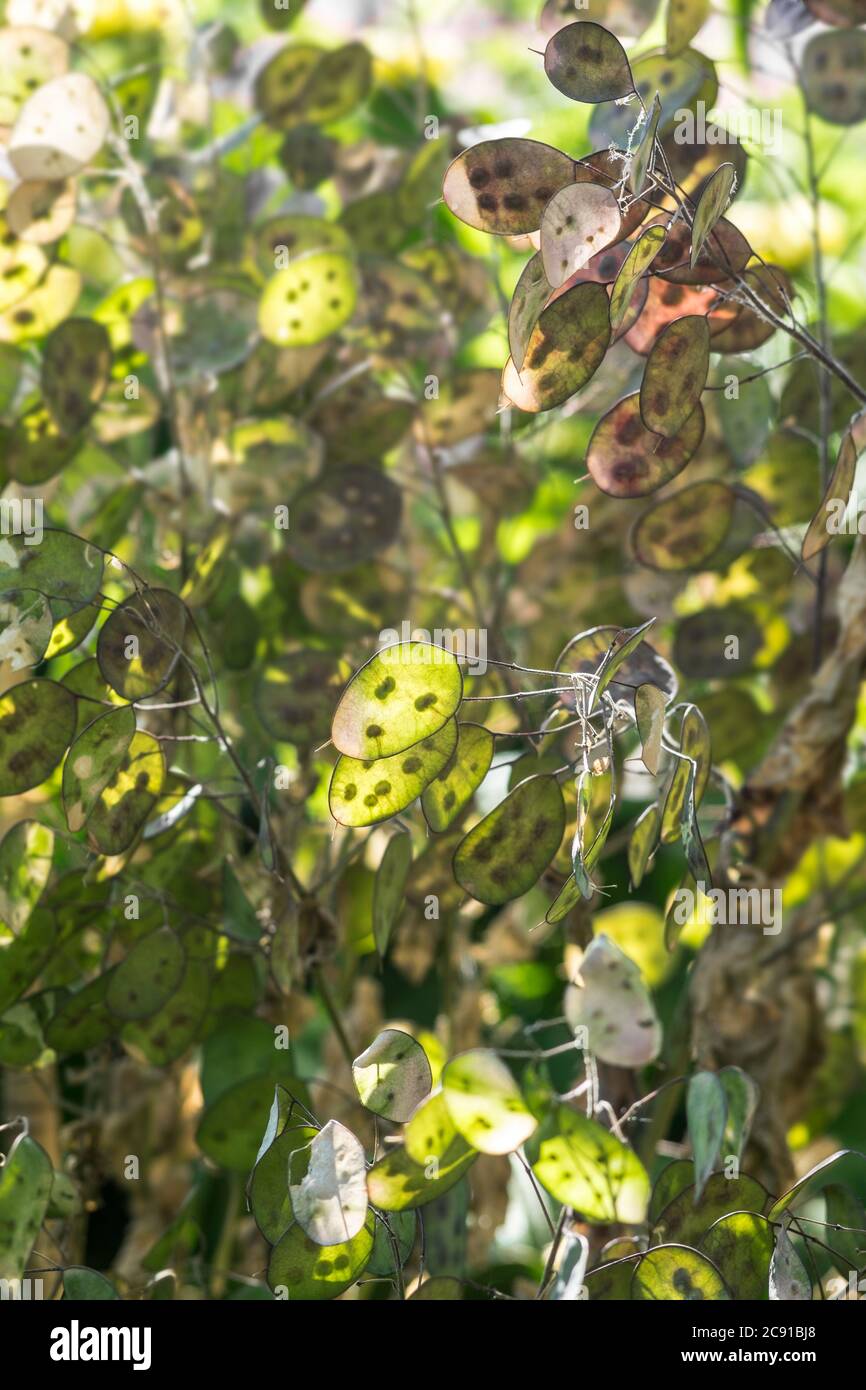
{"x": 694, "y": 162}
{"x": 29, "y": 57}
{"x": 44, "y": 307}
{"x": 140, "y": 644}
{"x": 129, "y": 798}
{"x": 506, "y": 853}
{"x": 93, "y": 761}
{"x": 392, "y": 1076}
{"x": 485, "y": 1102}
{"x": 37, "y": 724}
{"x": 588, "y": 63}
{"x": 34, "y": 447}
{"x": 684, "y": 531}
{"x": 586, "y": 652}
{"x": 673, "y": 1273}
{"x": 679, "y": 82}
{"x": 724, "y": 252}
{"x": 364, "y": 793}
{"x": 41, "y": 213}
{"x": 626, "y": 17}
{"x": 675, "y": 375}
{"x": 741, "y": 1247}
{"x": 453, "y": 788}
{"x": 637, "y": 261}
{"x": 300, "y": 1269}
{"x": 343, "y": 519}
{"x": 328, "y": 1186}
{"x": 833, "y": 73}
{"x": 606, "y": 168}
{"x": 389, "y": 889}
{"x": 628, "y": 460}
{"x": 684, "y": 19}
{"x": 702, "y": 648}
{"x": 167, "y": 1036}
{"x": 666, "y": 302}
{"x": 695, "y": 743}
{"x": 76, "y": 367}
{"x": 578, "y": 222}
{"x": 749, "y": 330}
{"x": 26, "y": 861}
{"x": 280, "y": 84}
{"x": 566, "y": 348}
{"x": 60, "y": 129}
{"x": 402, "y": 695}
{"x": 379, "y": 421}
{"x": 583, "y": 1165}
{"x": 339, "y": 82}
{"x": 400, "y": 1230}
{"x": 843, "y": 14}
{"x": 148, "y": 977}
{"x": 466, "y": 406}
{"x": 22, "y": 266}
{"x": 400, "y": 1183}
{"x": 22, "y": 959}
{"x": 313, "y": 298}
{"x": 270, "y": 1202}
{"x": 83, "y": 1021}
{"x": 26, "y": 624}
{"x": 231, "y": 1127}
{"x": 294, "y": 235}
{"x": 308, "y": 156}
{"x": 612, "y": 1007}
{"x": 711, "y": 204}
{"x": 64, "y": 567}
{"x": 503, "y": 186}
{"x": 295, "y": 696}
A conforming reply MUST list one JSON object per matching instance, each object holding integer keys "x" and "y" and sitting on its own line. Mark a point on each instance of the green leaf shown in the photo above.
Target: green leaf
{"x": 674, "y": 1272}
{"x": 26, "y": 859}
{"x": 392, "y": 1076}
{"x": 87, "y": 1285}
{"x": 485, "y": 1102}
{"x": 741, "y": 1094}
{"x": 672, "y": 1180}
{"x": 22, "y": 959}
{"x": 707, "y": 1113}
{"x": 505, "y": 854}
{"x": 37, "y": 723}
{"x": 25, "y": 1189}
{"x": 389, "y": 889}
{"x": 148, "y": 977}
{"x": 503, "y": 186}
{"x": 586, "y": 1167}
{"x": 402, "y": 695}
{"x": 239, "y": 918}
{"x": 364, "y": 793}
{"x": 588, "y": 64}
{"x": 453, "y": 788}
{"x": 741, "y": 1246}
{"x": 328, "y": 1186}
{"x": 613, "y": 1007}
